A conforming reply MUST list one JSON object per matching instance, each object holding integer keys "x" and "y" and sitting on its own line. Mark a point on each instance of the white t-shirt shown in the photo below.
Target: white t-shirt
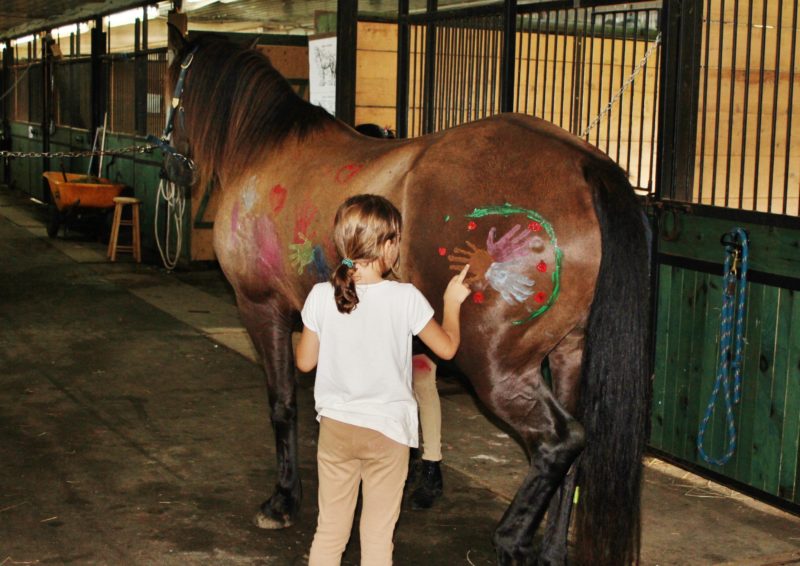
{"x": 364, "y": 366}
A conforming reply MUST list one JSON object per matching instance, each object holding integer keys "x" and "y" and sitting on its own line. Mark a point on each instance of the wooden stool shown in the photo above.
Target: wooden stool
{"x": 135, "y": 247}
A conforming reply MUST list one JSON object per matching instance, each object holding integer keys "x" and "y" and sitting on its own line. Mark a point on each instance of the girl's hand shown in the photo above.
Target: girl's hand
{"x": 456, "y": 290}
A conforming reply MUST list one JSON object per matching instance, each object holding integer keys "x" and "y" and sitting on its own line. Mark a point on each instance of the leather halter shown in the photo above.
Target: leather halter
{"x": 178, "y": 168}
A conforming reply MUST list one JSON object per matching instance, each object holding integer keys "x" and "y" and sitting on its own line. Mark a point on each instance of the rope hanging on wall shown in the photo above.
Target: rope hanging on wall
{"x": 731, "y": 342}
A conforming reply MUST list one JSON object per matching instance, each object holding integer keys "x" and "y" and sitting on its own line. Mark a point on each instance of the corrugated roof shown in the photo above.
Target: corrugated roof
{"x": 22, "y": 17}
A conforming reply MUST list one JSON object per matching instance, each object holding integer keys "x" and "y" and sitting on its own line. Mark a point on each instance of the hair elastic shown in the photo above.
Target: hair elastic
{"x": 348, "y": 262}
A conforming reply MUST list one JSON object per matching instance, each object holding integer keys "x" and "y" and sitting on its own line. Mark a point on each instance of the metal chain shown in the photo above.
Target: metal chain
{"x": 624, "y": 86}
{"x": 122, "y": 151}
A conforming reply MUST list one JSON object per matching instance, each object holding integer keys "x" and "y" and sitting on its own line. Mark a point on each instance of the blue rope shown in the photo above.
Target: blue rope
{"x": 732, "y": 289}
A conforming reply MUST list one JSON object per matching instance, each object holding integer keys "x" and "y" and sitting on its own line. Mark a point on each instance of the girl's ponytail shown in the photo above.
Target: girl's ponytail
{"x": 344, "y": 286}
{"x": 363, "y": 225}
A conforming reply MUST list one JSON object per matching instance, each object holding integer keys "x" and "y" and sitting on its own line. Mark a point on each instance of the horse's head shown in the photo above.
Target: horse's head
{"x": 229, "y": 104}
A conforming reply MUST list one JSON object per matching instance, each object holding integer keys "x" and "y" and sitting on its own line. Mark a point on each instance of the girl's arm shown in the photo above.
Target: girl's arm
{"x": 307, "y": 353}
{"x": 444, "y": 340}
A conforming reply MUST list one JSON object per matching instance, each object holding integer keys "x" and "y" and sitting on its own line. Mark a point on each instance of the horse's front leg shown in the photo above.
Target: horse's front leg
{"x": 270, "y": 327}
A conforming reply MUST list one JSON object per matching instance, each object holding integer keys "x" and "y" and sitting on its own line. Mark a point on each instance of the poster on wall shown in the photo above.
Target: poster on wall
{"x": 322, "y": 72}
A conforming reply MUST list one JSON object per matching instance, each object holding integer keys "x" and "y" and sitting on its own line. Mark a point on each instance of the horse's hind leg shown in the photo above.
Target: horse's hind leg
{"x": 270, "y": 327}
{"x": 565, "y": 369}
{"x": 553, "y": 439}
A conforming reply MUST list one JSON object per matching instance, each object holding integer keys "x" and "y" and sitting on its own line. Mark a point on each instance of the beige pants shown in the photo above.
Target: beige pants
{"x": 346, "y": 457}
{"x": 430, "y": 409}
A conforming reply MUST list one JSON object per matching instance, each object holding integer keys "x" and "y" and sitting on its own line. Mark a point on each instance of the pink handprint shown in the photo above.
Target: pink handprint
{"x": 511, "y": 246}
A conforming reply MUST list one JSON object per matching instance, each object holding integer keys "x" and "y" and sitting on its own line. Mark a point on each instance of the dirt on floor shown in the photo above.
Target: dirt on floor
{"x": 134, "y": 430}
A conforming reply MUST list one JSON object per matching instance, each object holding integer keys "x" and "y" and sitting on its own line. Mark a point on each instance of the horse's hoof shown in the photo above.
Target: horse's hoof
{"x": 263, "y": 521}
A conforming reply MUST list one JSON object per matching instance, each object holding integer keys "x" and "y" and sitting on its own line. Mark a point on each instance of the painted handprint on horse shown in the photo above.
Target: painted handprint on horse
{"x": 502, "y": 264}
{"x": 512, "y": 286}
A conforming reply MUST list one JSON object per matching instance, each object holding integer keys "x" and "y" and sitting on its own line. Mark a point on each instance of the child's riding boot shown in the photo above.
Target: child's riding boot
{"x": 430, "y": 485}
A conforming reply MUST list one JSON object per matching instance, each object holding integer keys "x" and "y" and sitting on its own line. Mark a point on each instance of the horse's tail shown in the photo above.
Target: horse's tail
{"x": 616, "y": 378}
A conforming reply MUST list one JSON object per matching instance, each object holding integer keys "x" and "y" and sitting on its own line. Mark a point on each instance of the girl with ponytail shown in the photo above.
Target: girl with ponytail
{"x": 357, "y": 332}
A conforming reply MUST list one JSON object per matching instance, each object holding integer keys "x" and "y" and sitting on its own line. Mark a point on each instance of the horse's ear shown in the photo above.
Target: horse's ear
{"x": 254, "y": 43}
{"x": 175, "y": 40}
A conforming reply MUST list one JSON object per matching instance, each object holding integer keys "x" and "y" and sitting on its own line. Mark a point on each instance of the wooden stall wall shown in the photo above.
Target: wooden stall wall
{"x": 767, "y": 418}
{"x": 748, "y": 135}
{"x": 740, "y": 162}
{"x": 376, "y": 74}
{"x": 26, "y": 173}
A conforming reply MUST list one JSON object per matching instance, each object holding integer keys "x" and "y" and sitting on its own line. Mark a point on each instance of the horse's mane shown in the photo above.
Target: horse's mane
{"x": 237, "y": 107}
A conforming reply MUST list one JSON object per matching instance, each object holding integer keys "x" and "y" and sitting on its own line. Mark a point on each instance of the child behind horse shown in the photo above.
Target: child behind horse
{"x": 425, "y": 480}
{"x": 357, "y": 332}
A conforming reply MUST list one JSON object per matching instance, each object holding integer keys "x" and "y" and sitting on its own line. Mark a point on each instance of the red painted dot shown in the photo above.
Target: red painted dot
{"x": 442, "y": 251}
{"x": 540, "y": 297}
{"x": 477, "y": 297}
{"x": 541, "y": 266}
{"x": 472, "y": 225}
{"x": 420, "y": 363}
{"x": 534, "y": 226}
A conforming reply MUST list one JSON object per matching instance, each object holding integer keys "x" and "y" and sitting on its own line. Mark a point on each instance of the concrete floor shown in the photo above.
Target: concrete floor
{"x": 134, "y": 430}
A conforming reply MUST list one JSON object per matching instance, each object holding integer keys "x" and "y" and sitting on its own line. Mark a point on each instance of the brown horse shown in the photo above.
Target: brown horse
{"x": 557, "y": 245}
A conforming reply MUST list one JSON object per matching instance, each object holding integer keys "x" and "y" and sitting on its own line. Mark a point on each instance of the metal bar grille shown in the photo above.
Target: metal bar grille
{"x": 156, "y": 71}
{"x": 21, "y": 103}
{"x": 72, "y": 93}
{"x": 121, "y": 99}
{"x": 748, "y": 149}
{"x": 466, "y": 74}
{"x": 121, "y": 72}
{"x": 570, "y": 64}
{"x": 567, "y": 66}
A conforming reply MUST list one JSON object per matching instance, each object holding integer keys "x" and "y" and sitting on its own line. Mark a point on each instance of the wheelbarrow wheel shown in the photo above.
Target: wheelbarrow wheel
{"x": 54, "y": 221}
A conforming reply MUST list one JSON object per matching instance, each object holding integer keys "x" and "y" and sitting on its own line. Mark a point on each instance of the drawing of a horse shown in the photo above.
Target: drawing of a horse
{"x": 558, "y": 249}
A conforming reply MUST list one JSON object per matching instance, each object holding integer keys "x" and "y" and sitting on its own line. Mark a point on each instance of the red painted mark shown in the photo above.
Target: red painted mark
{"x": 347, "y": 172}
{"x": 442, "y": 252}
{"x": 534, "y": 226}
{"x": 420, "y": 363}
{"x": 541, "y": 266}
{"x": 472, "y": 225}
{"x": 277, "y": 198}
{"x": 477, "y": 297}
{"x": 540, "y": 297}
{"x": 305, "y": 216}
{"x": 269, "y": 254}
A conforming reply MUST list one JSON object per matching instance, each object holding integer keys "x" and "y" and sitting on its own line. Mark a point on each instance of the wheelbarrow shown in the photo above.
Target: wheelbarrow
{"x": 74, "y": 193}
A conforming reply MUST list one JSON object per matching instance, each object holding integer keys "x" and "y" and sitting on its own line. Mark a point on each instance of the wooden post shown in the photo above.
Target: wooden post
{"x": 509, "y": 52}
{"x": 682, "y": 27}
{"x": 140, "y": 73}
{"x": 403, "y": 55}
{"x": 346, "y": 43}
{"x": 98, "y": 74}
{"x": 47, "y": 111}
{"x": 430, "y": 71}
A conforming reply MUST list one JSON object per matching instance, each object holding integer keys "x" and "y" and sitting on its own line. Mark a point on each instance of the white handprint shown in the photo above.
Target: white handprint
{"x": 512, "y": 285}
